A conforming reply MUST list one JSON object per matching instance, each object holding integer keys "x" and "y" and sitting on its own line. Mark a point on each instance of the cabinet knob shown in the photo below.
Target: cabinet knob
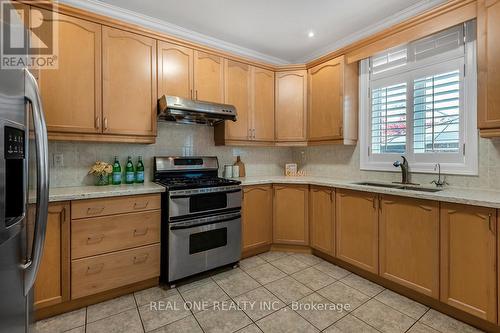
{"x": 98, "y": 122}
{"x": 105, "y": 123}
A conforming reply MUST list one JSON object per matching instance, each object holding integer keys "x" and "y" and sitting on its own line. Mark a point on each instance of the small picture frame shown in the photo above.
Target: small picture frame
{"x": 291, "y": 169}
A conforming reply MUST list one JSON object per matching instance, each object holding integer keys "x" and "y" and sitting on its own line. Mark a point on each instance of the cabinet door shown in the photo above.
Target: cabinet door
{"x": 409, "y": 243}
{"x": 325, "y": 100}
{"x": 71, "y": 94}
{"x": 468, "y": 259}
{"x": 291, "y": 99}
{"x": 290, "y": 224}
{"x": 208, "y": 77}
{"x": 129, "y": 83}
{"x": 322, "y": 218}
{"x": 356, "y": 230}
{"x": 237, "y": 93}
{"x": 257, "y": 216}
{"x": 52, "y": 285}
{"x": 263, "y": 104}
{"x": 488, "y": 52}
{"x": 175, "y": 70}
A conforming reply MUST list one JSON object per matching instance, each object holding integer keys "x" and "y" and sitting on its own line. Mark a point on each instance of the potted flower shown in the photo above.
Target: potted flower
{"x": 101, "y": 170}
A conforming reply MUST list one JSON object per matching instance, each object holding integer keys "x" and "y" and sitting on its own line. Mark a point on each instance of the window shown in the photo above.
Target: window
{"x": 419, "y": 100}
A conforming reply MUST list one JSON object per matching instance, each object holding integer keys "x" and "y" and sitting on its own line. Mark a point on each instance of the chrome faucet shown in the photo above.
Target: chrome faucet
{"x": 439, "y": 182}
{"x": 404, "y": 170}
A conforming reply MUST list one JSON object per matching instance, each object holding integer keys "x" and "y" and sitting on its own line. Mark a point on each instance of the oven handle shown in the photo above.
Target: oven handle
{"x": 193, "y": 195}
{"x": 204, "y": 223}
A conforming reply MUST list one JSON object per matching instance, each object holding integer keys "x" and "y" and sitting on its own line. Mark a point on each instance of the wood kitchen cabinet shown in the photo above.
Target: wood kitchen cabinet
{"x": 290, "y": 222}
{"x": 468, "y": 259}
{"x": 237, "y": 93}
{"x": 333, "y": 102}
{"x": 322, "y": 219}
{"x": 262, "y": 105}
{"x": 208, "y": 77}
{"x": 52, "y": 285}
{"x": 488, "y": 58}
{"x": 71, "y": 94}
{"x": 175, "y": 70}
{"x": 291, "y": 107}
{"x": 409, "y": 243}
{"x": 257, "y": 217}
{"x": 129, "y": 83}
{"x": 356, "y": 228}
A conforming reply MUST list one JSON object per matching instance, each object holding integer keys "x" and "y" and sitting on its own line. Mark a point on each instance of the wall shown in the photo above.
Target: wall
{"x": 342, "y": 162}
{"x": 173, "y": 139}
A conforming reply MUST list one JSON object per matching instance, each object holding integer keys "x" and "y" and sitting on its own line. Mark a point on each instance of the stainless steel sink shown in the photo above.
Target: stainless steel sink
{"x": 401, "y": 187}
{"x": 422, "y": 189}
{"x": 379, "y": 184}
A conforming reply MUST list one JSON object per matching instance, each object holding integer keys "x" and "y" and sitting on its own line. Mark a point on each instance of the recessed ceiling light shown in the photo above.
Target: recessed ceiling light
{"x": 310, "y": 34}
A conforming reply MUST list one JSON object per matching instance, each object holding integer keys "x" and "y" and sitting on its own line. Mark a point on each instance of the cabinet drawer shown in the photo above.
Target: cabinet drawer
{"x": 100, "y": 235}
{"x": 108, "y": 271}
{"x": 118, "y": 205}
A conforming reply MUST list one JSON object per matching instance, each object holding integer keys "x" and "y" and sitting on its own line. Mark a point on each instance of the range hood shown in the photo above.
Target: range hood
{"x": 182, "y": 110}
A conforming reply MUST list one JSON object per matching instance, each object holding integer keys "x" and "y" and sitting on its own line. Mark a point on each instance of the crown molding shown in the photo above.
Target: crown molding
{"x": 389, "y": 21}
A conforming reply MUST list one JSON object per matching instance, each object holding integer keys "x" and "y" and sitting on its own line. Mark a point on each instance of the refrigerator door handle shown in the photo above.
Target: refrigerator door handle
{"x": 32, "y": 96}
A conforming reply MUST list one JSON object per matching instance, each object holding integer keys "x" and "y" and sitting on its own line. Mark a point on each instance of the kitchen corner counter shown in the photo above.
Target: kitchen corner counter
{"x": 93, "y": 192}
{"x": 475, "y": 197}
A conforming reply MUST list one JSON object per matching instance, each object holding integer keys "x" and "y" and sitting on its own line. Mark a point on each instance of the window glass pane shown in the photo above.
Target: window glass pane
{"x": 436, "y": 113}
{"x": 388, "y": 117}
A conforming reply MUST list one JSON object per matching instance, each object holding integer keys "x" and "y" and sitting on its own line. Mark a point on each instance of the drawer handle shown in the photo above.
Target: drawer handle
{"x": 140, "y": 232}
{"x": 94, "y": 239}
{"x": 93, "y": 210}
{"x": 94, "y": 269}
{"x": 141, "y": 259}
{"x": 136, "y": 206}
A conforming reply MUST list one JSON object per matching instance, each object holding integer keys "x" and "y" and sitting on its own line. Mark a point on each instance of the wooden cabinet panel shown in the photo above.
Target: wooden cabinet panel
{"x": 208, "y": 77}
{"x": 257, "y": 211}
{"x": 100, "y": 235}
{"x": 290, "y": 224}
{"x": 409, "y": 243}
{"x": 322, "y": 219}
{"x": 262, "y": 104}
{"x": 325, "y": 100}
{"x": 71, "y": 94}
{"x": 52, "y": 285}
{"x": 291, "y": 106}
{"x": 237, "y": 93}
{"x": 488, "y": 57}
{"x": 108, "y": 271}
{"x": 129, "y": 83}
{"x": 175, "y": 70}
{"x": 468, "y": 259}
{"x": 356, "y": 228}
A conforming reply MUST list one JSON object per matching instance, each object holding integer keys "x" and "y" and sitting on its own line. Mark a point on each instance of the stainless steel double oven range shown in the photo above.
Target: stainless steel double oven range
{"x": 201, "y": 216}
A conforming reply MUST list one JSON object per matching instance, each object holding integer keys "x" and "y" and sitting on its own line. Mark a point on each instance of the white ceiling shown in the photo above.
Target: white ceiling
{"x": 274, "y": 29}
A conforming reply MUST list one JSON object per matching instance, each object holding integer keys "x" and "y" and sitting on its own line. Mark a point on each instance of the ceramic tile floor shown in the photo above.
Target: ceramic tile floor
{"x": 289, "y": 292}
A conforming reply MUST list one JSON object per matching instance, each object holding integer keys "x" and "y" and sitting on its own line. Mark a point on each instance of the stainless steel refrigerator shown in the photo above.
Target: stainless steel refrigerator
{"x": 22, "y": 134}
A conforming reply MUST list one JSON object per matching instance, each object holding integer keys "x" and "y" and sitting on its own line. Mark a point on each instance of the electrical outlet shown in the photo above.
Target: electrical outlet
{"x": 58, "y": 160}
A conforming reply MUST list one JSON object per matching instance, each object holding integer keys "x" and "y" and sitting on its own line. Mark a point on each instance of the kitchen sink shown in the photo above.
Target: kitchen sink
{"x": 401, "y": 187}
{"x": 417, "y": 188}
{"x": 379, "y": 184}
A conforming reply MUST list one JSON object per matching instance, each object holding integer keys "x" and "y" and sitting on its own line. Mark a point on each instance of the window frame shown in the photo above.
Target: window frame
{"x": 462, "y": 163}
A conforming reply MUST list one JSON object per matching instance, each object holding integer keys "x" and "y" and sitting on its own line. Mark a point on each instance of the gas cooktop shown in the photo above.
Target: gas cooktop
{"x": 189, "y": 182}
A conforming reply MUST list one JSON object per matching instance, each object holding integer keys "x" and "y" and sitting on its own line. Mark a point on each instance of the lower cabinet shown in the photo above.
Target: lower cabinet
{"x": 257, "y": 219}
{"x": 409, "y": 243}
{"x": 356, "y": 229}
{"x": 290, "y": 222}
{"x": 468, "y": 259}
{"x": 322, "y": 218}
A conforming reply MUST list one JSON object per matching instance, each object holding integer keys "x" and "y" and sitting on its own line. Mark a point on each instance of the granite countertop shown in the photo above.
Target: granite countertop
{"x": 477, "y": 197}
{"x": 92, "y": 192}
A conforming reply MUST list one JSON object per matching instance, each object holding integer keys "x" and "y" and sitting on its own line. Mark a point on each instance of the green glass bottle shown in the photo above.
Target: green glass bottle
{"x": 129, "y": 172}
{"x": 139, "y": 171}
{"x": 117, "y": 172}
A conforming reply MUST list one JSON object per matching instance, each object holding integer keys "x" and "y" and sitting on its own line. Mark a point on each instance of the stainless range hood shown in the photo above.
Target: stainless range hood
{"x": 182, "y": 110}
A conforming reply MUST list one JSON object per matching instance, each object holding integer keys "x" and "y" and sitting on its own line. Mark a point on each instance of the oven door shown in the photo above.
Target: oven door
{"x": 198, "y": 245}
{"x": 183, "y": 203}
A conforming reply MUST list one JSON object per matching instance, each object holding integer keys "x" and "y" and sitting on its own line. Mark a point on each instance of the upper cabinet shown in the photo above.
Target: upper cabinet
{"x": 333, "y": 102}
{"x": 175, "y": 70}
{"x": 208, "y": 77}
{"x": 71, "y": 94}
{"x": 262, "y": 105}
{"x": 291, "y": 107}
{"x": 488, "y": 57}
{"x": 129, "y": 83}
{"x": 237, "y": 93}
